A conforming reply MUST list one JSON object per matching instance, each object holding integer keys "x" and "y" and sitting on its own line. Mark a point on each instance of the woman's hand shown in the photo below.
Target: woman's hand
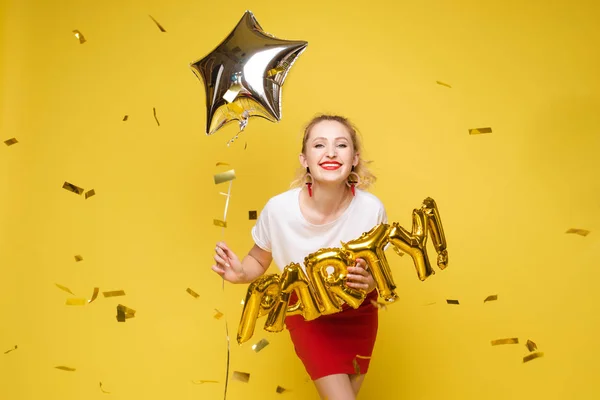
{"x": 359, "y": 277}
{"x": 228, "y": 264}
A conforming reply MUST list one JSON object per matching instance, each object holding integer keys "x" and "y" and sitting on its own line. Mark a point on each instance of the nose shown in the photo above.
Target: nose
{"x": 331, "y": 151}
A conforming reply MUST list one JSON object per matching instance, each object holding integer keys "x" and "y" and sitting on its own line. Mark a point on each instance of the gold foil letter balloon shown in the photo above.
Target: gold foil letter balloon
{"x": 328, "y": 270}
{"x": 261, "y": 297}
{"x": 244, "y": 74}
{"x": 370, "y": 247}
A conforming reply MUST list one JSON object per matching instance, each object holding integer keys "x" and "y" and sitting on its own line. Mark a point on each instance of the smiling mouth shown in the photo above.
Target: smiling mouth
{"x": 330, "y": 166}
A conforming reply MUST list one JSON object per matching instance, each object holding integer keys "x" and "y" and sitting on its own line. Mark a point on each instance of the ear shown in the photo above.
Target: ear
{"x": 302, "y": 160}
{"x": 356, "y": 160}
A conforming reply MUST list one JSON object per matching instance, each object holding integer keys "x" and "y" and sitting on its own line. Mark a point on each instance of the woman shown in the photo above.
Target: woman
{"x": 325, "y": 205}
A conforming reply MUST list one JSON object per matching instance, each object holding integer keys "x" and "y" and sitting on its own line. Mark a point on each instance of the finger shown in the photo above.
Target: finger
{"x": 356, "y": 285}
{"x": 218, "y": 270}
{"x": 220, "y": 260}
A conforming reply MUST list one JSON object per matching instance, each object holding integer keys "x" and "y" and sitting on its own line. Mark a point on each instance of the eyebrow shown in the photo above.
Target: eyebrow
{"x": 337, "y": 138}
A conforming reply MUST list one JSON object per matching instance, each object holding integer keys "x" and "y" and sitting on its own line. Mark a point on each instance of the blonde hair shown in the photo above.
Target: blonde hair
{"x": 366, "y": 176}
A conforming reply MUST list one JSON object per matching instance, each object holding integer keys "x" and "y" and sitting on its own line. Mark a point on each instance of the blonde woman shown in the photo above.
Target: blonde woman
{"x": 326, "y": 204}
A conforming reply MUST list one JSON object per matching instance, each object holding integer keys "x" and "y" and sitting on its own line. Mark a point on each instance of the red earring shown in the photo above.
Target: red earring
{"x": 352, "y": 183}
{"x": 309, "y": 183}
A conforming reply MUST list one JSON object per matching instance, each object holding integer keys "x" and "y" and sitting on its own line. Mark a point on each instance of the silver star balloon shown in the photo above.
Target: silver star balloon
{"x": 244, "y": 74}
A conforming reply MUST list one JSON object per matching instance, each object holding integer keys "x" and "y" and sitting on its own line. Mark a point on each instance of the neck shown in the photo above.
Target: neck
{"x": 328, "y": 199}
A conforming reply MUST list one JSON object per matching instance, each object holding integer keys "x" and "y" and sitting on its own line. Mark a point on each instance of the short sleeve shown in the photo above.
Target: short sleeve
{"x": 382, "y": 215}
{"x": 261, "y": 231}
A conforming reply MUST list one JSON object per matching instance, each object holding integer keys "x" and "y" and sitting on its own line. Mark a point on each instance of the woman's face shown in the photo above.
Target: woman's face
{"x": 329, "y": 152}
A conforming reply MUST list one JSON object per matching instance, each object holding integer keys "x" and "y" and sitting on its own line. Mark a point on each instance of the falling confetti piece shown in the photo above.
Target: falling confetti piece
{"x": 443, "y": 84}
{"x": 356, "y": 366}
{"x": 200, "y": 382}
{"x": 90, "y": 193}
{"x": 63, "y": 368}
{"x": 78, "y": 258}
{"x": 280, "y": 389}
{"x": 492, "y": 297}
{"x": 79, "y": 36}
{"x": 452, "y": 302}
{"x": 531, "y": 346}
{"x": 223, "y": 177}
{"x": 218, "y": 315}
{"x": 72, "y": 188}
{"x": 124, "y": 313}
{"x": 218, "y": 222}
{"x": 13, "y": 349}
{"x": 241, "y": 376}
{"x": 103, "y": 391}
{"x": 232, "y": 93}
{"x": 221, "y": 163}
{"x": 125, "y": 118}
{"x": 505, "y": 341}
{"x": 479, "y": 131}
{"x": 94, "y": 295}
{"x": 533, "y": 356}
{"x": 397, "y": 250}
{"x": 66, "y": 289}
{"x": 10, "y": 142}
{"x": 76, "y": 302}
{"x": 157, "y": 24}
{"x": 191, "y": 292}
{"x": 430, "y": 304}
{"x": 252, "y": 215}
{"x": 260, "y": 345}
{"x": 379, "y": 305}
{"x": 581, "y": 232}
{"x": 155, "y": 117}
{"x": 114, "y": 293}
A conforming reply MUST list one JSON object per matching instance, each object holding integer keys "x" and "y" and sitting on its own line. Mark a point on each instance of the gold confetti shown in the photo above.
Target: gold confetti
{"x": 201, "y": 381}
{"x": 241, "y": 376}
{"x": 218, "y": 222}
{"x": 125, "y": 118}
{"x": 155, "y": 117}
{"x": 221, "y": 163}
{"x": 72, "y": 188}
{"x": 397, "y": 250}
{"x": 356, "y": 366}
{"x": 157, "y": 24}
{"x": 279, "y": 389}
{"x": 95, "y": 294}
{"x": 260, "y": 345}
{"x": 191, "y": 292}
{"x": 64, "y": 288}
{"x": 11, "y": 141}
{"x": 218, "y": 315}
{"x": 531, "y": 346}
{"x": 63, "y": 368}
{"x": 452, "y": 302}
{"x": 581, "y": 232}
{"x": 223, "y": 177}
{"x": 114, "y": 293}
{"x": 78, "y": 258}
{"x": 275, "y": 71}
{"x": 103, "y": 391}
{"x": 79, "y": 36}
{"x": 76, "y": 302}
{"x": 492, "y": 297}
{"x": 379, "y": 305}
{"x": 13, "y": 349}
{"x": 252, "y": 215}
{"x": 443, "y": 84}
{"x": 232, "y": 93}
{"x": 479, "y": 131}
{"x": 90, "y": 193}
{"x": 533, "y": 356}
{"x": 245, "y": 145}
{"x": 124, "y": 313}
{"x": 505, "y": 341}
{"x": 430, "y": 304}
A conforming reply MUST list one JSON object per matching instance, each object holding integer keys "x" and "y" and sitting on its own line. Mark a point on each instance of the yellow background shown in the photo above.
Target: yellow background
{"x": 527, "y": 69}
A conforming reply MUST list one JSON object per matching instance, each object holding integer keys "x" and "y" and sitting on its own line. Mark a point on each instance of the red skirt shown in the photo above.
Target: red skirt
{"x": 340, "y": 343}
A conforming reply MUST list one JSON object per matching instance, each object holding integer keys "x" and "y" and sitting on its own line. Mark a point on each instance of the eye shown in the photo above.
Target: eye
{"x": 342, "y": 145}
{"x": 318, "y": 145}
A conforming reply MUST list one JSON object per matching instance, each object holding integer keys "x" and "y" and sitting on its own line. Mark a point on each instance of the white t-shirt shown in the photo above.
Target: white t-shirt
{"x": 282, "y": 229}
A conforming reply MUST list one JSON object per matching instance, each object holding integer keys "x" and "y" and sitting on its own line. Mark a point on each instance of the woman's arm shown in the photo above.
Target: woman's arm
{"x": 249, "y": 269}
